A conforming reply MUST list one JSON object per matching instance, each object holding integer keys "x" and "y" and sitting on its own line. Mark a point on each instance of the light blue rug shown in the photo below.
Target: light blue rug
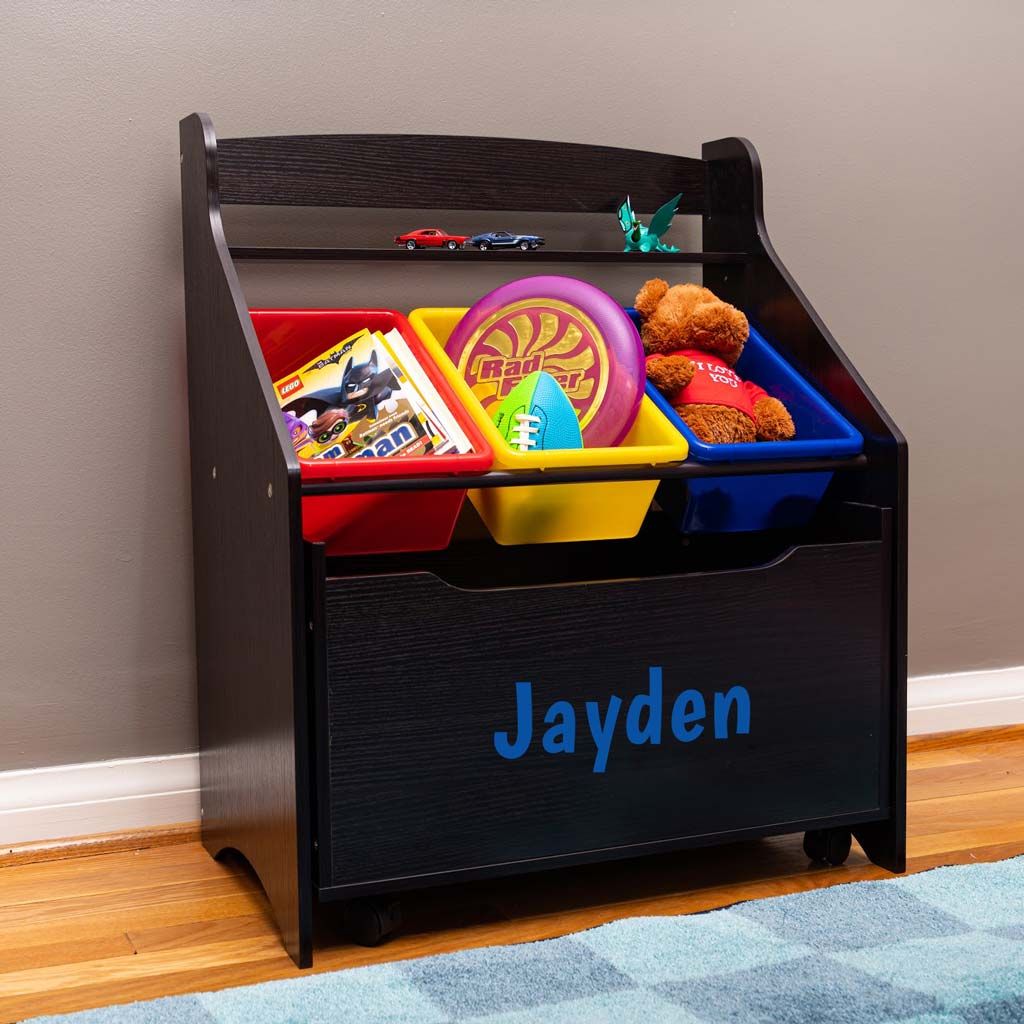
{"x": 943, "y": 947}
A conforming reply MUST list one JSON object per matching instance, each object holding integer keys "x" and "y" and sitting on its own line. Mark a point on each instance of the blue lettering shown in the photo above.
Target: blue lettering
{"x": 652, "y": 702}
{"x": 602, "y": 731}
{"x": 723, "y": 701}
{"x": 689, "y": 707}
{"x": 688, "y": 720}
{"x": 524, "y": 725}
{"x": 561, "y": 737}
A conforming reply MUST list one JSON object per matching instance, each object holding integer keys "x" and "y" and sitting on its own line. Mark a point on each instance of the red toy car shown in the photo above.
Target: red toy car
{"x": 426, "y": 238}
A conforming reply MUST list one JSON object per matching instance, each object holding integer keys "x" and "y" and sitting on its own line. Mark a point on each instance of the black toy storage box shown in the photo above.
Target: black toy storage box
{"x": 720, "y": 686}
{"x": 408, "y": 742}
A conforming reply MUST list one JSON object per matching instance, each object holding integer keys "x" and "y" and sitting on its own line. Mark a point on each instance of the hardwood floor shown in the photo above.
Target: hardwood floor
{"x": 134, "y": 924}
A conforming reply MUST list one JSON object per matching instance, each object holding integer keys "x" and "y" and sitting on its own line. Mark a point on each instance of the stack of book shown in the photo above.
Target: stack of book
{"x": 367, "y": 397}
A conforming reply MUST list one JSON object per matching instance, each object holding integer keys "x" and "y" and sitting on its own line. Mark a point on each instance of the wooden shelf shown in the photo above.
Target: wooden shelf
{"x": 287, "y": 252}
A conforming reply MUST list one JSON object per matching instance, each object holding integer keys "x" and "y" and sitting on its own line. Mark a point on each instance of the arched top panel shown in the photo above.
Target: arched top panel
{"x": 451, "y": 171}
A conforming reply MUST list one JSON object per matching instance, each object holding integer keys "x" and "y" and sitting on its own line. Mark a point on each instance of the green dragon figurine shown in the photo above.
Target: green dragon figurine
{"x": 641, "y": 239}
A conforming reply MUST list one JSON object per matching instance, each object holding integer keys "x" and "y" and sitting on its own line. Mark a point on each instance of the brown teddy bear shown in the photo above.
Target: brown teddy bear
{"x": 692, "y": 340}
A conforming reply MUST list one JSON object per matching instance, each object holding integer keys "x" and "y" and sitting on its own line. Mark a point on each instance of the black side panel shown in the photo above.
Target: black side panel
{"x": 250, "y": 635}
{"x": 765, "y": 289}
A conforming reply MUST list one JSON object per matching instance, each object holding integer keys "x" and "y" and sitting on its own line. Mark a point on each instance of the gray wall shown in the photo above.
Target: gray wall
{"x": 890, "y": 135}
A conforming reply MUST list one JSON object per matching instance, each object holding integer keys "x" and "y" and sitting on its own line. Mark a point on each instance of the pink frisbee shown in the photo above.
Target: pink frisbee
{"x": 568, "y": 328}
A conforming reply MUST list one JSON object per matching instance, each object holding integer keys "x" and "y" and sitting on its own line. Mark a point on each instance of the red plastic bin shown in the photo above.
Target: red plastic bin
{"x": 370, "y": 523}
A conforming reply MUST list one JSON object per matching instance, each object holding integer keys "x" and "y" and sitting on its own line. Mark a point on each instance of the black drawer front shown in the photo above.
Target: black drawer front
{"x": 421, "y": 676}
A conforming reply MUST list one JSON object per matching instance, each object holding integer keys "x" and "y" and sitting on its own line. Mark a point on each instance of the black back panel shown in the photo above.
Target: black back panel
{"x": 452, "y": 172}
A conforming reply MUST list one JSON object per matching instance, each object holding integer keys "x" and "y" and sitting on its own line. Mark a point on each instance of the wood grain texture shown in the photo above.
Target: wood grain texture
{"x": 969, "y": 743}
{"x": 417, "y": 788}
{"x": 247, "y": 551}
{"x": 101, "y": 842}
{"x": 108, "y": 874}
{"x": 83, "y": 947}
{"x": 369, "y": 255}
{"x": 18, "y": 958}
{"x": 771, "y": 298}
{"x": 442, "y": 172}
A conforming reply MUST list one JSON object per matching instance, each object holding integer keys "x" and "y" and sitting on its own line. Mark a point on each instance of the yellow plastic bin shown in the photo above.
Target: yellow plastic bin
{"x": 557, "y": 512}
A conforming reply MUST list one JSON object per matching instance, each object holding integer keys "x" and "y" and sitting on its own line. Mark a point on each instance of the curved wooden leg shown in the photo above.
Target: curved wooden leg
{"x": 290, "y": 901}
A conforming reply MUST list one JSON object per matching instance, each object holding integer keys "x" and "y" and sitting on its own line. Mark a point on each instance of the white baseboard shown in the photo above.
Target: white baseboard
{"x": 965, "y": 700}
{"x": 102, "y": 796}
{"x": 112, "y": 796}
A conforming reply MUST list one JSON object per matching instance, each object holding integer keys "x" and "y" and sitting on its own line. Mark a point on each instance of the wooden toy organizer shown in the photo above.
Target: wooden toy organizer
{"x": 341, "y": 775}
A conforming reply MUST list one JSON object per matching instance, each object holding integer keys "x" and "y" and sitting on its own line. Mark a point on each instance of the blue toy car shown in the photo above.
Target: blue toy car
{"x": 505, "y": 240}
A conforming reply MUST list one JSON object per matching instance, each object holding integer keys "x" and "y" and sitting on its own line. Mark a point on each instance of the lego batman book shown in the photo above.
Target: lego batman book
{"x": 432, "y": 403}
{"x": 357, "y": 401}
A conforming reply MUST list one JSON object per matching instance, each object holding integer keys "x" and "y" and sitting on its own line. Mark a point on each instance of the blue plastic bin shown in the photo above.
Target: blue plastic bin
{"x": 734, "y": 504}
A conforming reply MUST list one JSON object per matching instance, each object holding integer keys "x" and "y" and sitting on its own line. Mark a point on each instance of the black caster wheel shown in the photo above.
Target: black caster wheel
{"x": 828, "y": 845}
{"x": 371, "y": 920}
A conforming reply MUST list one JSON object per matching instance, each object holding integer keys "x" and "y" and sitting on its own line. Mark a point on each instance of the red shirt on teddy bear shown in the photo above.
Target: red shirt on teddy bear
{"x": 714, "y": 383}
